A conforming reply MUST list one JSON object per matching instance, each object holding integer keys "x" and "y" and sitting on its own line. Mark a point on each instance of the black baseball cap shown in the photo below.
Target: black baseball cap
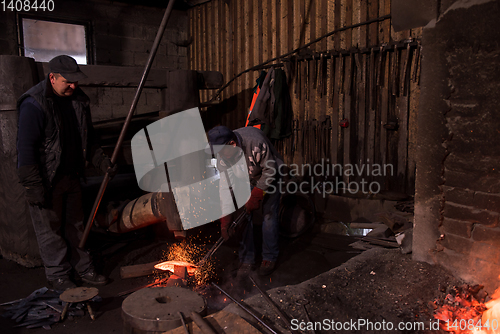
{"x": 67, "y": 67}
{"x": 218, "y": 137}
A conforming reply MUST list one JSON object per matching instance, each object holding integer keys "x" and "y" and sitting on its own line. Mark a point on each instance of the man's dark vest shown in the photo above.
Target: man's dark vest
{"x": 50, "y": 151}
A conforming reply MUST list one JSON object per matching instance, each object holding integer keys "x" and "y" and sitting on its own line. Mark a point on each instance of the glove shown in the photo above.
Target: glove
{"x": 35, "y": 196}
{"x": 109, "y": 167}
{"x": 29, "y": 177}
{"x": 255, "y": 198}
{"x": 225, "y": 231}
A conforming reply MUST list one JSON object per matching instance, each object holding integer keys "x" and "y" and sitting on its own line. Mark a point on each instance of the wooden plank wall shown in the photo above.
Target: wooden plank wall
{"x": 369, "y": 77}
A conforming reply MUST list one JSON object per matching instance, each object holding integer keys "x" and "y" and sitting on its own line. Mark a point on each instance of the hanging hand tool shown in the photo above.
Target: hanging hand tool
{"x": 328, "y": 137}
{"x": 417, "y": 63}
{"x": 379, "y": 64}
{"x": 395, "y": 71}
{"x": 234, "y": 225}
{"x": 348, "y": 87}
{"x": 306, "y": 74}
{"x": 325, "y": 74}
{"x": 296, "y": 74}
{"x": 299, "y": 79}
{"x": 314, "y": 71}
{"x": 332, "y": 75}
{"x": 320, "y": 70}
{"x": 372, "y": 79}
{"x": 295, "y": 128}
{"x": 342, "y": 74}
{"x": 406, "y": 68}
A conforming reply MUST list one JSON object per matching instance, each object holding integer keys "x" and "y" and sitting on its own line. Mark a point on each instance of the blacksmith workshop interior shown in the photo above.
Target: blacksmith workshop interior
{"x": 382, "y": 111}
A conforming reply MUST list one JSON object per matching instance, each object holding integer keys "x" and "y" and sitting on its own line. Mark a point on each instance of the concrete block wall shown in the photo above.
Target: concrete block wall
{"x": 122, "y": 35}
{"x": 457, "y": 204}
{"x": 112, "y": 102}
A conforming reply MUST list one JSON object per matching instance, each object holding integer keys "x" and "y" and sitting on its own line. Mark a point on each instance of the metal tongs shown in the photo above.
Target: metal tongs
{"x": 219, "y": 242}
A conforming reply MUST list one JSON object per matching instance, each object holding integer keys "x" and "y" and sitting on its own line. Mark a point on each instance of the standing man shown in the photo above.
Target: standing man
{"x": 55, "y": 139}
{"x": 263, "y": 162}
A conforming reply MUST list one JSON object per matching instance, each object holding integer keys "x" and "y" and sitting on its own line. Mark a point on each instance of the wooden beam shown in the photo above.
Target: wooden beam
{"x": 138, "y": 270}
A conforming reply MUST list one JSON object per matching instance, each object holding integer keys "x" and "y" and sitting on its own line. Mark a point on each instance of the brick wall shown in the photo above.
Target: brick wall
{"x": 122, "y": 36}
{"x": 458, "y": 171}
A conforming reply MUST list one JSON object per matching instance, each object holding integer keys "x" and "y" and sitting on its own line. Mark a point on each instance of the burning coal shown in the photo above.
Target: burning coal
{"x": 464, "y": 311}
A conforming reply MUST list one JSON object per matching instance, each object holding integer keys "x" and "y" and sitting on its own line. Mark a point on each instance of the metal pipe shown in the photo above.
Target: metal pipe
{"x": 283, "y": 316}
{"x": 105, "y": 181}
{"x": 246, "y": 310}
{"x": 139, "y": 213}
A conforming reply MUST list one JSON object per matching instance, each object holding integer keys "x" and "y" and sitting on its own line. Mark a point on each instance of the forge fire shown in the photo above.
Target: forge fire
{"x": 465, "y": 310}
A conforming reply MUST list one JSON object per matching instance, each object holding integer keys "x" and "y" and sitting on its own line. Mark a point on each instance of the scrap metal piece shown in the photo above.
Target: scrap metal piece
{"x": 155, "y": 309}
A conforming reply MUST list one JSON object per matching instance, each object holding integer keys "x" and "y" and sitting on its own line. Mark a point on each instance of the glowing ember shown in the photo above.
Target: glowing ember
{"x": 169, "y": 265}
{"x": 465, "y": 312}
{"x": 491, "y": 317}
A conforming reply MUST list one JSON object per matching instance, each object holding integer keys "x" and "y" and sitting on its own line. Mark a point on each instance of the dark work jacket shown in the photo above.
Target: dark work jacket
{"x": 50, "y": 149}
{"x": 273, "y": 106}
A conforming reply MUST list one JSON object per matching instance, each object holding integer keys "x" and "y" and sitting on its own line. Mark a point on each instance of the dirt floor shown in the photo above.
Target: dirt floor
{"x": 340, "y": 283}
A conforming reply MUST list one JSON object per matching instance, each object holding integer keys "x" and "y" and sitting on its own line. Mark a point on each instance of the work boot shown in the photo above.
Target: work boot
{"x": 244, "y": 269}
{"x": 266, "y": 268}
{"x": 62, "y": 284}
{"x": 92, "y": 277}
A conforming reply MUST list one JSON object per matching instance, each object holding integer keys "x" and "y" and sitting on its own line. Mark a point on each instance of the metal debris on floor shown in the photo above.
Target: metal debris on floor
{"x": 42, "y": 308}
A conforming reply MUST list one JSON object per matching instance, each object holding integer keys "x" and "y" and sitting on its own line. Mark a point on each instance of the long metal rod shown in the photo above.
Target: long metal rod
{"x": 219, "y": 242}
{"x": 283, "y": 316}
{"x": 118, "y": 146}
{"x": 245, "y": 309}
{"x": 183, "y": 322}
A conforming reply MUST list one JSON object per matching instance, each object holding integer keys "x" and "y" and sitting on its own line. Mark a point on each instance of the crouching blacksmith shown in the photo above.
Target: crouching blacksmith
{"x": 55, "y": 139}
{"x": 263, "y": 162}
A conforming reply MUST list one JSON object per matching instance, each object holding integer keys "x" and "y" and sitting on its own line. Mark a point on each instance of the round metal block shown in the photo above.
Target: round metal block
{"x": 155, "y": 309}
